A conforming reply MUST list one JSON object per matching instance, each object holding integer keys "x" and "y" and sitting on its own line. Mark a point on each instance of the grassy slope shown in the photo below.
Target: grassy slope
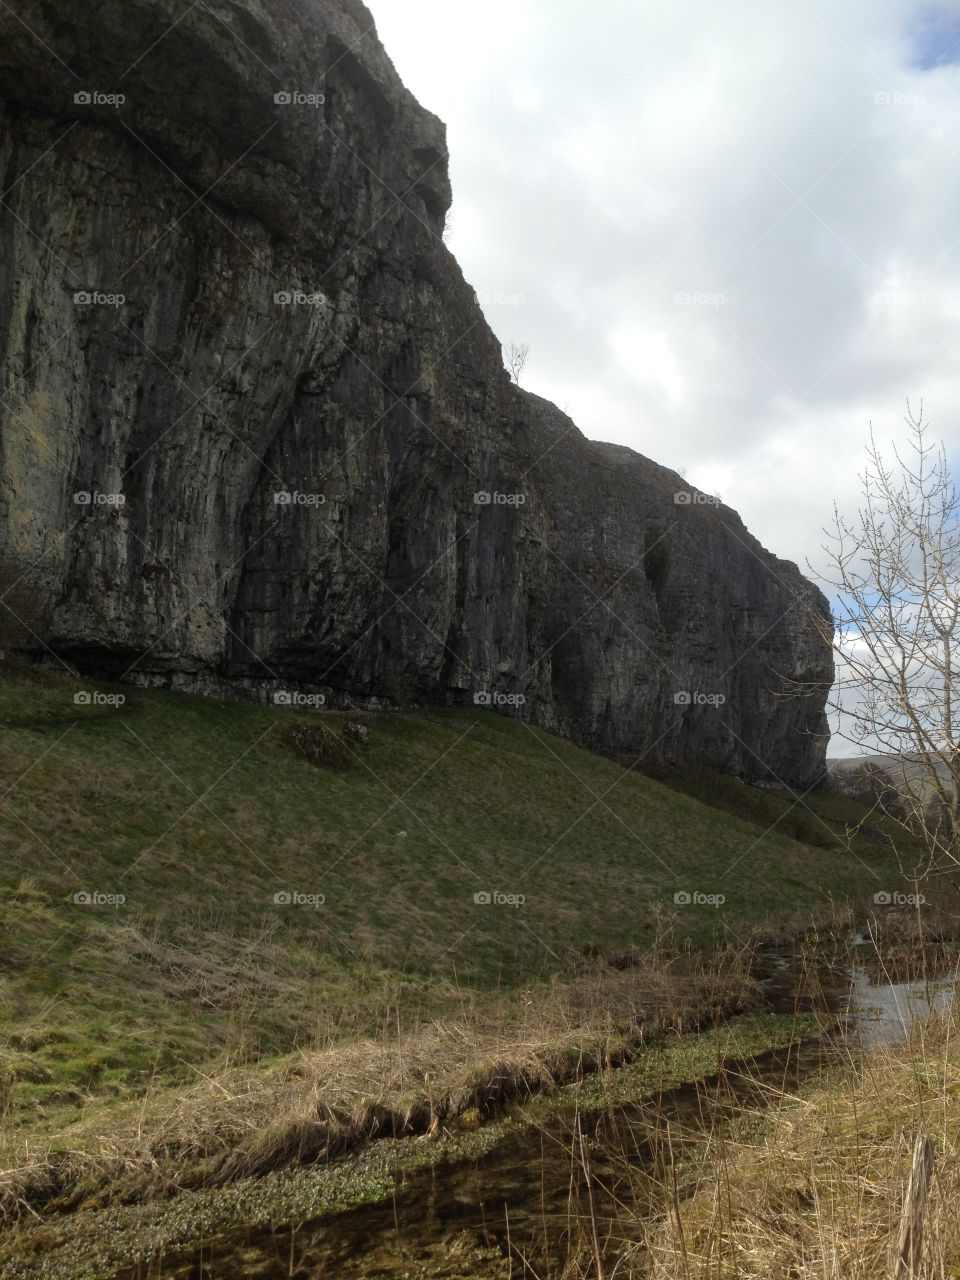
{"x": 199, "y": 812}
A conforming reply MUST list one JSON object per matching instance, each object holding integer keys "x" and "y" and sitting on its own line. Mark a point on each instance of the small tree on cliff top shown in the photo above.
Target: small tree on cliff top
{"x": 895, "y": 571}
{"x": 517, "y": 354}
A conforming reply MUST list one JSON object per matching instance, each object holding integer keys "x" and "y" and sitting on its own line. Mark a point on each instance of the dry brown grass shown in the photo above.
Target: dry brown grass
{"x": 248, "y": 1120}
{"x": 814, "y": 1189}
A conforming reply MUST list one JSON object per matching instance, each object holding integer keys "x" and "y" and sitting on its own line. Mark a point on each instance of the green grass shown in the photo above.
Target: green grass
{"x": 95, "y": 1243}
{"x": 198, "y": 812}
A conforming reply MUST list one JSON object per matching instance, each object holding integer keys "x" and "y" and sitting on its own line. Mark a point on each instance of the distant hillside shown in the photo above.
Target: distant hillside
{"x": 864, "y": 778}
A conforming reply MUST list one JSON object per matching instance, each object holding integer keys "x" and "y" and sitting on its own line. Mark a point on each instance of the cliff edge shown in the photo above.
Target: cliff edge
{"x": 255, "y": 432}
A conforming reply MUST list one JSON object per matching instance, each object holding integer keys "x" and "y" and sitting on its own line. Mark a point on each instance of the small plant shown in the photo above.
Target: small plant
{"x": 318, "y": 746}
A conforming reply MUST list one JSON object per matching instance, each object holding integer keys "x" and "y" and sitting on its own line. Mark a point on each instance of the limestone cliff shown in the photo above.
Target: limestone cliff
{"x": 254, "y": 204}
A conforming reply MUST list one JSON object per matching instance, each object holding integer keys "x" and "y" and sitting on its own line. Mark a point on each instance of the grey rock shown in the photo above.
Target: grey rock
{"x": 283, "y": 493}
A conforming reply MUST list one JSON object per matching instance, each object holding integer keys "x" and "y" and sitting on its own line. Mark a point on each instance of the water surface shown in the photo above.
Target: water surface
{"x": 534, "y": 1195}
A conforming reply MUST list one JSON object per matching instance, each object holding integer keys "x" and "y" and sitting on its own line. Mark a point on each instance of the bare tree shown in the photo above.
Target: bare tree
{"x": 895, "y": 571}
{"x": 517, "y": 354}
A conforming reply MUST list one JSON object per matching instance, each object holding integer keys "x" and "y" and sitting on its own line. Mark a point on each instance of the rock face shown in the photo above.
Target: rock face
{"x": 289, "y": 426}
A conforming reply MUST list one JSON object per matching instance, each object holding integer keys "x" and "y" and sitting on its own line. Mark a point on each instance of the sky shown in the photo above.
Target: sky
{"x": 730, "y": 232}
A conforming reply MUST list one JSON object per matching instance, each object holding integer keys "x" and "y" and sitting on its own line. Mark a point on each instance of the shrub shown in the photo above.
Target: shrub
{"x": 318, "y": 746}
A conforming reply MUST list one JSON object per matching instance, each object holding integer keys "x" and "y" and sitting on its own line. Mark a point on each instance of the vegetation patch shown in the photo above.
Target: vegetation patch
{"x": 319, "y": 746}
{"x": 815, "y": 1186}
{"x": 101, "y": 1242}
{"x": 215, "y": 955}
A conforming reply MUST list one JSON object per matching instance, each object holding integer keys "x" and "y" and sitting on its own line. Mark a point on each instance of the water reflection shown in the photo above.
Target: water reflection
{"x": 883, "y": 1012}
{"x": 512, "y": 1212}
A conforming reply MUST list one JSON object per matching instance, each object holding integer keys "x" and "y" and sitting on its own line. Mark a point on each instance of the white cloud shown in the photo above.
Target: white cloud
{"x": 796, "y": 160}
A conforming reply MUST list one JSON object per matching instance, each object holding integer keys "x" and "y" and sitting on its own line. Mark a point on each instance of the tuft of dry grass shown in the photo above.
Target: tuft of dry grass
{"x": 813, "y": 1188}
{"x": 248, "y": 1120}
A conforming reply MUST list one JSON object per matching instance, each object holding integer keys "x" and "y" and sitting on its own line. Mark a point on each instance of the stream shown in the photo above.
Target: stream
{"x": 540, "y": 1186}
